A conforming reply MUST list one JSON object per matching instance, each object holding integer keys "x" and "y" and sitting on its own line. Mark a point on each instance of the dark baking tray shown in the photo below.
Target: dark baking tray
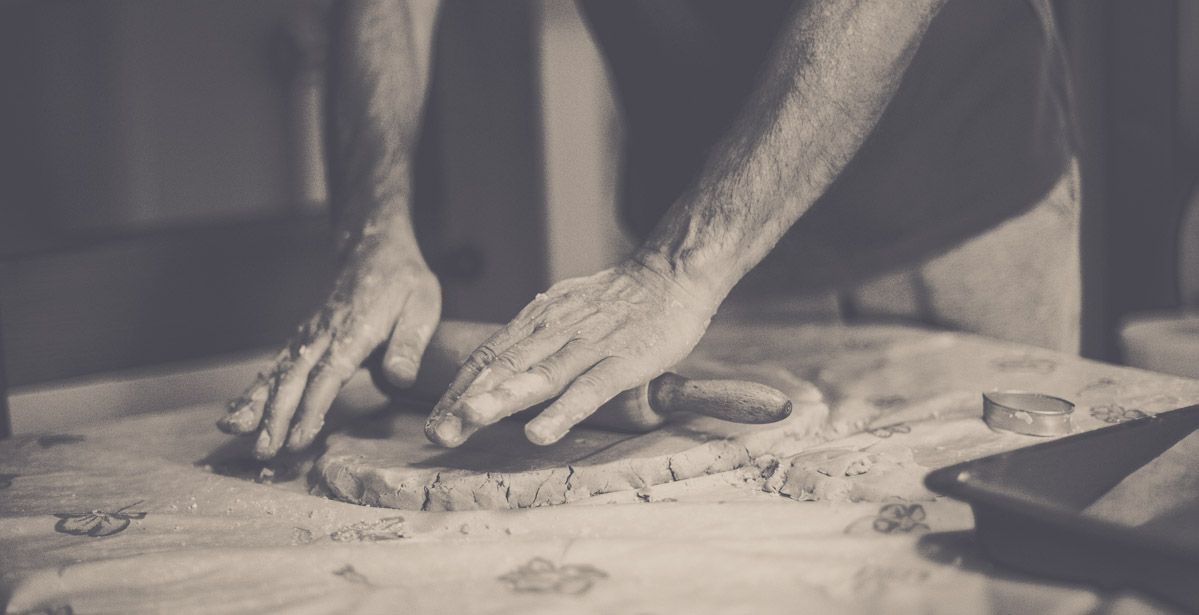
{"x": 1027, "y": 502}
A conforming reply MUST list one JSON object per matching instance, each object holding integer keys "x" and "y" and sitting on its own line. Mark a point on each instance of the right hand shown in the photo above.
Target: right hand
{"x": 384, "y": 293}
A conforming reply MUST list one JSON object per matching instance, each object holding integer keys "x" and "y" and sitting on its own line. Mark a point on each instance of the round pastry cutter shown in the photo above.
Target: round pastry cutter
{"x": 1032, "y": 414}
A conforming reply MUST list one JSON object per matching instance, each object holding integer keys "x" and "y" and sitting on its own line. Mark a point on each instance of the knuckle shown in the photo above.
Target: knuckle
{"x": 428, "y": 303}
{"x": 302, "y": 354}
{"x": 404, "y": 345}
{"x": 334, "y": 364}
{"x": 481, "y": 357}
{"x": 590, "y": 384}
{"x": 360, "y": 331}
{"x": 283, "y": 380}
{"x": 509, "y": 361}
{"x": 427, "y": 284}
{"x": 534, "y": 308}
{"x": 287, "y": 368}
{"x": 550, "y": 371}
{"x": 414, "y": 333}
{"x": 398, "y": 354}
{"x": 342, "y": 346}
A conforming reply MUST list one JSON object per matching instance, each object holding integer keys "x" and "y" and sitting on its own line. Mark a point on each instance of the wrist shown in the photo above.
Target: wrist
{"x": 384, "y": 250}
{"x": 702, "y": 291}
{"x": 383, "y": 227}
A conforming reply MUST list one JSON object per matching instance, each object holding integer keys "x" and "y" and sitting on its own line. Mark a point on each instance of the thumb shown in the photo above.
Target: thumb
{"x": 410, "y": 336}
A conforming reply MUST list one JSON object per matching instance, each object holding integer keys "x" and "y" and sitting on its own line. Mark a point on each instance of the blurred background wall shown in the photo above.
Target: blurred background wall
{"x": 161, "y": 196}
{"x": 161, "y": 185}
{"x": 1136, "y": 76}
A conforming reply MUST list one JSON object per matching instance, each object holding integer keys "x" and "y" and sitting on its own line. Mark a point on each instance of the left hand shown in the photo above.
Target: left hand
{"x": 584, "y": 341}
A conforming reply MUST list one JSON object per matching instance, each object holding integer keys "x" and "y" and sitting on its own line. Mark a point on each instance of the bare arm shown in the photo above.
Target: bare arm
{"x": 831, "y": 75}
{"x": 379, "y": 71}
{"x": 833, "y": 71}
{"x": 378, "y": 76}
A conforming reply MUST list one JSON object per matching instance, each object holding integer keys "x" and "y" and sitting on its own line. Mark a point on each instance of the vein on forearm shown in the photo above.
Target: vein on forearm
{"x": 832, "y": 72}
{"x": 378, "y": 76}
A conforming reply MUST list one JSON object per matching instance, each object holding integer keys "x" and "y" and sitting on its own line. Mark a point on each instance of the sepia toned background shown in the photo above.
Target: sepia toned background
{"x": 162, "y": 192}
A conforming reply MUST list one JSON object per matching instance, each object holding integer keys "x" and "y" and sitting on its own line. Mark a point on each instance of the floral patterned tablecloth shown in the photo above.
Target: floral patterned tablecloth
{"x": 161, "y": 513}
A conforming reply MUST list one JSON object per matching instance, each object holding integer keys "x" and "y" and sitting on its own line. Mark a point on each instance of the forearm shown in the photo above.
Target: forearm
{"x": 379, "y": 69}
{"x": 831, "y": 74}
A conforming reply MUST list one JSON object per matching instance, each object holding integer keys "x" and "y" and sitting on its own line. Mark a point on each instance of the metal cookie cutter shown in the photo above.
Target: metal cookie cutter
{"x": 1031, "y": 414}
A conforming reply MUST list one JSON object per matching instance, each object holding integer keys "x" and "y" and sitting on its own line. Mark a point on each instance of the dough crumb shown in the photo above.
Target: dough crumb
{"x": 769, "y": 469}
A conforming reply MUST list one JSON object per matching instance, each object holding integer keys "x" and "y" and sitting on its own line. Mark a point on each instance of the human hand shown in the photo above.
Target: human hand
{"x": 384, "y": 293}
{"x": 583, "y": 341}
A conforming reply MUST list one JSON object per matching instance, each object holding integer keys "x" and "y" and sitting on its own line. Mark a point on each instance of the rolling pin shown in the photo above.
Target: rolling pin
{"x": 639, "y": 410}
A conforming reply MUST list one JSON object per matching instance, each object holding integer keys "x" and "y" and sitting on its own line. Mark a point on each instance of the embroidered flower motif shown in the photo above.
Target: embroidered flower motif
{"x": 97, "y": 523}
{"x": 387, "y": 528}
{"x": 1115, "y": 413}
{"x": 887, "y": 431}
{"x": 302, "y": 536}
{"x": 1099, "y": 384}
{"x": 900, "y": 519}
{"x": 542, "y": 576}
{"x": 1025, "y": 364}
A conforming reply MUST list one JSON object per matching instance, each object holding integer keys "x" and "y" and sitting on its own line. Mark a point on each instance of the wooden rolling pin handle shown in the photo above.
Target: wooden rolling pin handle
{"x": 738, "y": 401}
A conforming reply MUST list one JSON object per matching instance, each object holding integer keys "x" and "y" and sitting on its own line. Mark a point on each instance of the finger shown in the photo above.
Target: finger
{"x": 543, "y": 380}
{"x": 443, "y": 427}
{"x": 539, "y": 345}
{"x": 245, "y": 412}
{"x": 336, "y": 367}
{"x": 582, "y": 398}
{"x": 410, "y": 336}
{"x": 287, "y": 385}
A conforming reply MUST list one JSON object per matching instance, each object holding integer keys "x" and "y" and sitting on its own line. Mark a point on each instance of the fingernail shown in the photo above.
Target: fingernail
{"x": 543, "y": 432}
{"x": 262, "y": 448}
{"x": 448, "y": 430}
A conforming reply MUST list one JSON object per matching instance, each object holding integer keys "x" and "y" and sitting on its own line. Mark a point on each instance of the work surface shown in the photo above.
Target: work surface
{"x": 161, "y": 513}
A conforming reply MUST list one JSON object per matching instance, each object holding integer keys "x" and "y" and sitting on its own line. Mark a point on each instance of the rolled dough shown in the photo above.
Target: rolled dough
{"x": 850, "y": 475}
{"x": 388, "y": 462}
